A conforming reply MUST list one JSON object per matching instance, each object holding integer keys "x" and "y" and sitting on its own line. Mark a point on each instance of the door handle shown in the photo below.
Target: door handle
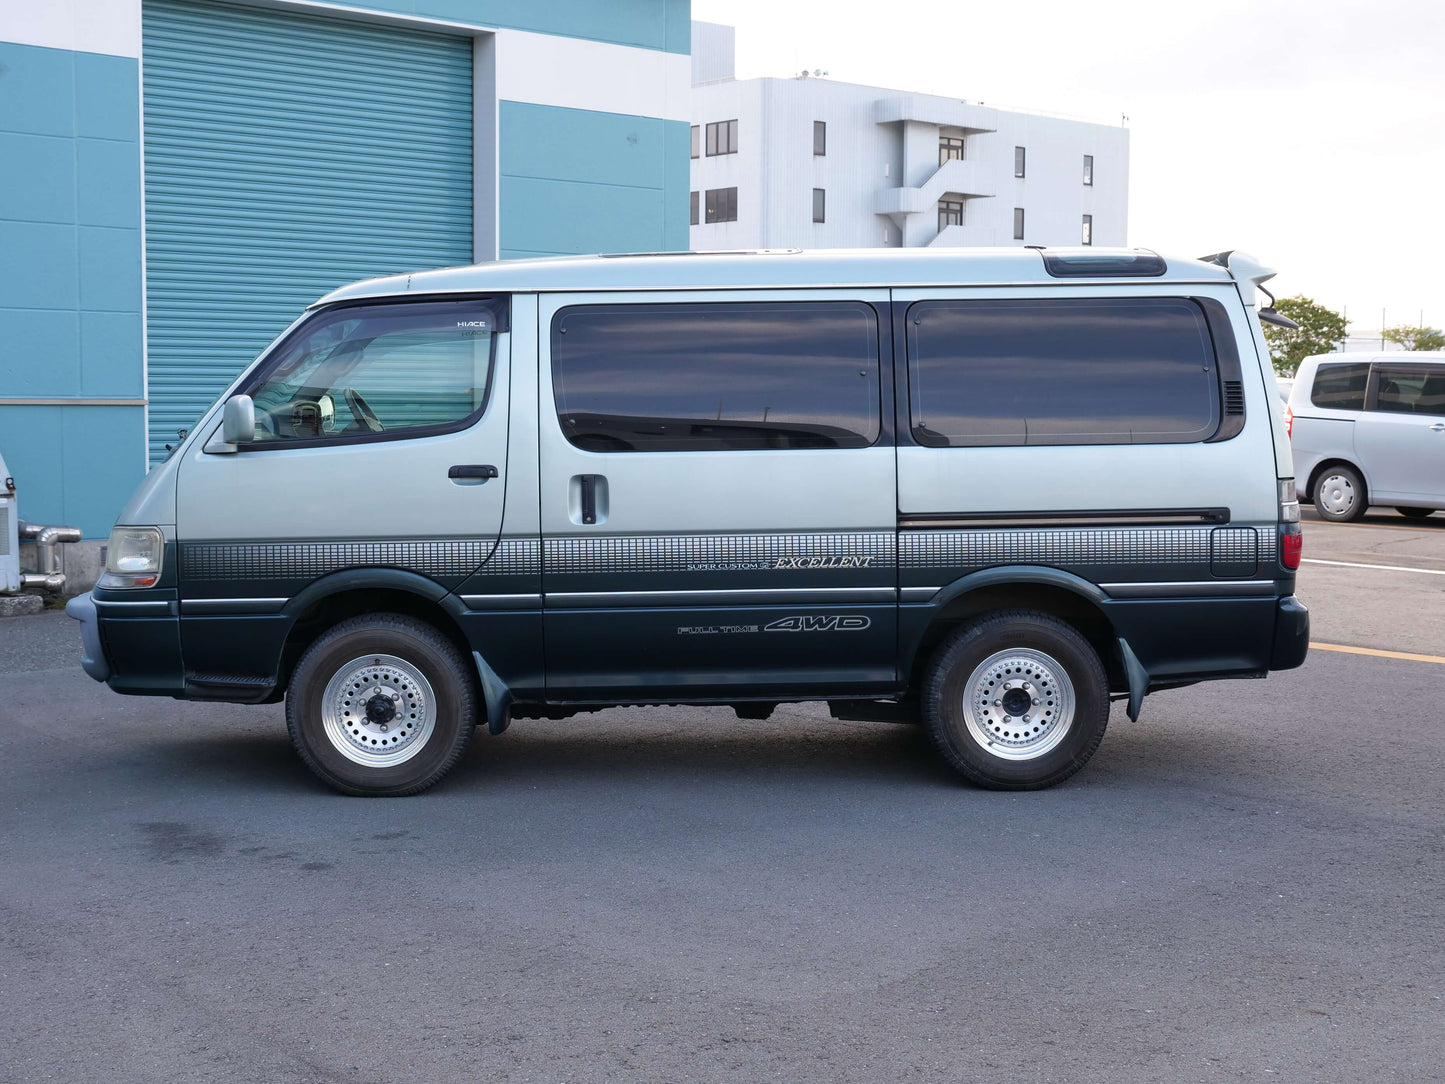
{"x": 1438, "y": 427}
{"x": 472, "y": 472}
{"x": 589, "y": 498}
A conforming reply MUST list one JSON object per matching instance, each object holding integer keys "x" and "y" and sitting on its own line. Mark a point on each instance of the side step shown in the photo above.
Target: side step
{"x": 230, "y": 688}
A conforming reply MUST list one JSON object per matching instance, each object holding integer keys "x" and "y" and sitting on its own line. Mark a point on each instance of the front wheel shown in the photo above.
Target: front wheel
{"x": 1016, "y": 701}
{"x": 381, "y": 705}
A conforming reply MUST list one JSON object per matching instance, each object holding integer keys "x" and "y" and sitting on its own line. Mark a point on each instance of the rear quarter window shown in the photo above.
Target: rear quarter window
{"x": 1341, "y": 386}
{"x": 1067, "y": 371}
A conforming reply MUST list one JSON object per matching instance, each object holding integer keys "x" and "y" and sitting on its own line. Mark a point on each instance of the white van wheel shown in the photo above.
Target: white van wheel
{"x": 1340, "y": 494}
{"x": 1016, "y": 700}
{"x": 378, "y": 710}
{"x": 381, "y": 705}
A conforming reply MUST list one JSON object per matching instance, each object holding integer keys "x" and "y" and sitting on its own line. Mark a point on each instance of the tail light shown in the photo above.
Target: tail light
{"x": 1289, "y": 423}
{"x": 1291, "y": 539}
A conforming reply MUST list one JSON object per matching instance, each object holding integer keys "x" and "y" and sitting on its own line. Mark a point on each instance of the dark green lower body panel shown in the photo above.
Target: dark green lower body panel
{"x": 639, "y": 654}
{"x": 144, "y": 654}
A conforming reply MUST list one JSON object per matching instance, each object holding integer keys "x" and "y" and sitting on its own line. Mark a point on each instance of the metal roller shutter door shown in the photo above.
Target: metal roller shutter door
{"x": 286, "y": 154}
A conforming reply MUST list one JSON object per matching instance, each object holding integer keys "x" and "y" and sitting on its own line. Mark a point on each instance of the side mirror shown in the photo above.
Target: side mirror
{"x": 238, "y": 421}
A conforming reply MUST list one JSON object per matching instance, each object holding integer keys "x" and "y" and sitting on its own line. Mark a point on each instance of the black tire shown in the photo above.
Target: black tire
{"x": 442, "y": 706}
{"x": 1415, "y": 513}
{"x": 1344, "y": 502}
{"x": 952, "y": 669}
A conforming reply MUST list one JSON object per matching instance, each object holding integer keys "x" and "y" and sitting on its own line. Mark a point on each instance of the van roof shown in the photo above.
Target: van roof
{"x": 771, "y": 268}
{"x": 1395, "y": 356}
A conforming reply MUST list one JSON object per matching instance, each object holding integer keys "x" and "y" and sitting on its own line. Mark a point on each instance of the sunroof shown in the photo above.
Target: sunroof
{"x": 1098, "y": 265}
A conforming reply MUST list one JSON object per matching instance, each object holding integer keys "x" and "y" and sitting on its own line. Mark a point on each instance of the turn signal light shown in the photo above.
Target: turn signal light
{"x": 1291, "y": 546}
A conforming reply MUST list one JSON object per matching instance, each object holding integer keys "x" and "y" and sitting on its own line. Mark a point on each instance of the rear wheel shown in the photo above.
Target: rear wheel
{"x": 1016, "y": 701}
{"x": 1414, "y": 513}
{"x": 1340, "y": 494}
{"x": 381, "y": 705}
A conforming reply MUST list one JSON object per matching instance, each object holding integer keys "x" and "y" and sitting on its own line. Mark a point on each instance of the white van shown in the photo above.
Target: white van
{"x": 920, "y": 485}
{"x": 1369, "y": 429}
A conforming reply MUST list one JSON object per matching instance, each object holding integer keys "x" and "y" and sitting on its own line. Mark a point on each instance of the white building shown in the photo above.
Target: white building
{"x": 812, "y": 163}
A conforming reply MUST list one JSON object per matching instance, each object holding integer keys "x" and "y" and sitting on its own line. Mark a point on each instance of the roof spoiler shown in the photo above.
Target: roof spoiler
{"x": 1245, "y": 268}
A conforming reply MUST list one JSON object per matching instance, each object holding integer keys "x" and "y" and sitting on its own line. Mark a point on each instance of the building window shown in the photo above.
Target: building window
{"x": 721, "y": 205}
{"x": 820, "y": 137}
{"x": 717, "y": 376}
{"x": 1088, "y": 169}
{"x": 819, "y": 201}
{"x": 693, "y": 209}
{"x": 1087, "y": 237}
{"x": 950, "y": 148}
{"x": 1018, "y": 223}
{"x": 696, "y": 140}
{"x": 950, "y": 213}
{"x": 1018, "y": 161}
{"x": 1060, "y": 371}
{"x": 722, "y": 138}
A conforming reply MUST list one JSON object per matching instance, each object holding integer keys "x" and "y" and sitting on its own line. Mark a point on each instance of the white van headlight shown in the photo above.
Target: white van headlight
{"x": 133, "y": 557}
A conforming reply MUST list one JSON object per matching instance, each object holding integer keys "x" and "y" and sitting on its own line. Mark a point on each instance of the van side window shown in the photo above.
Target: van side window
{"x": 731, "y": 376}
{"x": 1341, "y": 386}
{"x": 1412, "y": 389}
{"x": 1076, "y": 371}
{"x": 370, "y": 372}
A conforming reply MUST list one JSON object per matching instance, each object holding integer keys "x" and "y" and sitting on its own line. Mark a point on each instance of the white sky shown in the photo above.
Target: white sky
{"x": 1310, "y": 133}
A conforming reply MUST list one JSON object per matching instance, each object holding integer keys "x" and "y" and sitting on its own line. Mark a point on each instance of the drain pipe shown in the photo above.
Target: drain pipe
{"x": 49, "y": 578}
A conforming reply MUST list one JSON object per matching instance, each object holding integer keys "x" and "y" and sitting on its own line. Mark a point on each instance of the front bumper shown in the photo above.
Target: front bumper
{"x": 92, "y": 658}
{"x": 1291, "y": 634}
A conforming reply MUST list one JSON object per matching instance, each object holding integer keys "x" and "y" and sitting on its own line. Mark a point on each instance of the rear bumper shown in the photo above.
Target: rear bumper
{"x": 1291, "y": 634}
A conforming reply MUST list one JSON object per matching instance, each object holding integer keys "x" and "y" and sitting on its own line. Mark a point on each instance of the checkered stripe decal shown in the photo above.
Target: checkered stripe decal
{"x": 1235, "y": 546}
{"x": 307, "y": 560}
{"x": 1073, "y": 546}
{"x": 681, "y": 553}
{"x": 515, "y": 557}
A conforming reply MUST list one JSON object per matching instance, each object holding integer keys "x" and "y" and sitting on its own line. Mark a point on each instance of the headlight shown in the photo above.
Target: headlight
{"x": 133, "y": 557}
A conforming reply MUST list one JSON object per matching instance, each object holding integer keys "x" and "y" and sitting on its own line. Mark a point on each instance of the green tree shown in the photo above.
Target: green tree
{"x": 1320, "y": 331}
{"x": 1416, "y": 338}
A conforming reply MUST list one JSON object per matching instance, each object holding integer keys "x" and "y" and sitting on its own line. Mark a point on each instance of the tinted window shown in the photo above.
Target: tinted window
{"x": 1341, "y": 387}
{"x": 820, "y": 137}
{"x": 361, "y": 371}
{"x": 1082, "y": 371}
{"x": 1411, "y": 389}
{"x": 674, "y": 378}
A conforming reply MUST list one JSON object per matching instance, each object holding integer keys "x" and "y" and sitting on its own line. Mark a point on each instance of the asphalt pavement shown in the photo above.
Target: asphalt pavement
{"x": 1247, "y": 883}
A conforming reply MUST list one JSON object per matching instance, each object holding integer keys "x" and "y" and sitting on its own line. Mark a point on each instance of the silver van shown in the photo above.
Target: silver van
{"x": 1369, "y": 429}
{"x": 935, "y": 486}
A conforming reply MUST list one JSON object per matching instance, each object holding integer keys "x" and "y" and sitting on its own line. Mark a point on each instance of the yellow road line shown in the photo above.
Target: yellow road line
{"x": 1407, "y": 655}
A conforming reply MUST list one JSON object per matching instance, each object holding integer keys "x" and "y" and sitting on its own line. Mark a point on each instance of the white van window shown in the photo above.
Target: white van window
{"x": 1076, "y": 371}
{"x": 1410, "y": 389}
{"x": 717, "y": 377}
{"x": 373, "y": 371}
{"x": 1341, "y": 386}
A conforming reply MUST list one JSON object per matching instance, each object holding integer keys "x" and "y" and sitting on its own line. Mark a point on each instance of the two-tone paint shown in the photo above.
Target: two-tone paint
{"x": 719, "y": 576}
